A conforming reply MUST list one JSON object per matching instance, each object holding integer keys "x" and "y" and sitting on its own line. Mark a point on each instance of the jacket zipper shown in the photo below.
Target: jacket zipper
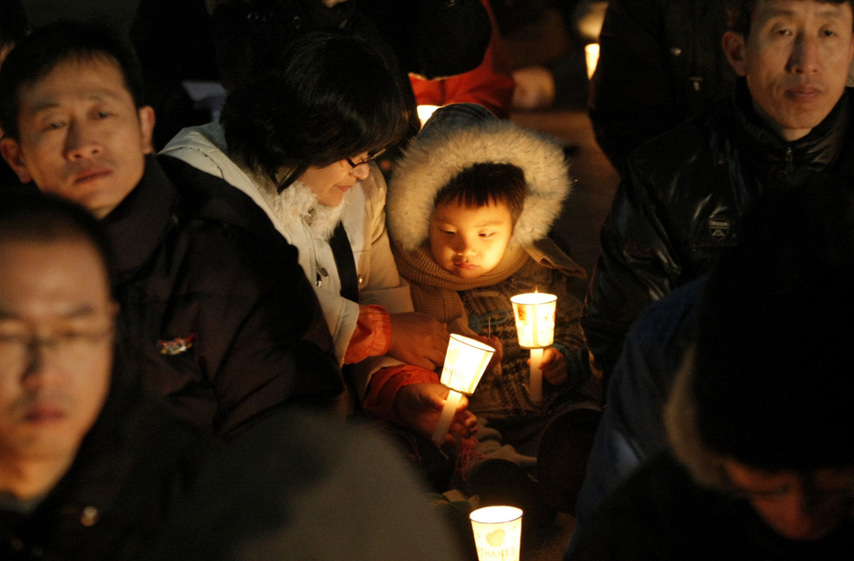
{"x": 789, "y": 158}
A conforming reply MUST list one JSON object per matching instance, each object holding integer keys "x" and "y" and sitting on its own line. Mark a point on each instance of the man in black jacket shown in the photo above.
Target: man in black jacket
{"x": 681, "y": 201}
{"x": 212, "y": 299}
{"x": 90, "y": 461}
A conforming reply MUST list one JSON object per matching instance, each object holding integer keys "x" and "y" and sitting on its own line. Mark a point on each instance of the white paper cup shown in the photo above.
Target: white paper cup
{"x": 497, "y": 532}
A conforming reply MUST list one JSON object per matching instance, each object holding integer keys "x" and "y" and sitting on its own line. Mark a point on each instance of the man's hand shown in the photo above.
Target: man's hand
{"x": 553, "y": 366}
{"x": 420, "y": 406}
{"x": 418, "y": 339}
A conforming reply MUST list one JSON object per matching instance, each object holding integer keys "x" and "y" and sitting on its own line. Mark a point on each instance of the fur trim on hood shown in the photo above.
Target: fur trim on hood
{"x": 446, "y": 146}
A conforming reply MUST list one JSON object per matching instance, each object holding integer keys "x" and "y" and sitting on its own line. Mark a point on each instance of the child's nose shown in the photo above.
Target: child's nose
{"x": 464, "y": 248}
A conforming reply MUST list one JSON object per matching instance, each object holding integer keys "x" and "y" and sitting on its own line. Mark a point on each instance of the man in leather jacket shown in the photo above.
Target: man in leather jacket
{"x": 685, "y": 191}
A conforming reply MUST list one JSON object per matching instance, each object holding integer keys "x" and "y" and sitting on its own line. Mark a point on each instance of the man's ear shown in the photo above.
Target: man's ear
{"x": 11, "y": 151}
{"x": 146, "y": 128}
{"x": 734, "y": 44}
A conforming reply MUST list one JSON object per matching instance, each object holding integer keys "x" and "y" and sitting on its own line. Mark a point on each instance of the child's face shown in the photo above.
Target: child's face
{"x": 469, "y": 242}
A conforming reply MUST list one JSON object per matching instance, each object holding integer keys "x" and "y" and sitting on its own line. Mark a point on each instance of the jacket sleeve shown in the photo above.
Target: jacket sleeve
{"x": 637, "y": 266}
{"x": 386, "y": 382}
{"x": 268, "y": 343}
{"x": 384, "y": 285}
{"x": 433, "y": 38}
{"x": 372, "y": 335}
{"x": 632, "y": 425}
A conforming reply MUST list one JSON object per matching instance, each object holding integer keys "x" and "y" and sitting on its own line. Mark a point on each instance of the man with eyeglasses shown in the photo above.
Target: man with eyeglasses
{"x": 759, "y": 420}
{"x": 213, "y": 302}
{"x": 90, "y": 461}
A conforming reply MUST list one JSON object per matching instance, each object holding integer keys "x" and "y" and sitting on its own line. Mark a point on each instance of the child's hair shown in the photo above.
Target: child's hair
{"x": 483, "y": 183}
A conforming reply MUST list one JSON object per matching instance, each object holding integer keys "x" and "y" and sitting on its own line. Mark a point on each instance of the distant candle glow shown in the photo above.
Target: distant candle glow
{"x": 425, "y": 112}
{"x": 591, "y": 57}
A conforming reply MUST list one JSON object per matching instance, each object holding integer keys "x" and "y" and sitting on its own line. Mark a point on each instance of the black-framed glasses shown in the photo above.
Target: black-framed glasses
{"x": 373, "y": 155}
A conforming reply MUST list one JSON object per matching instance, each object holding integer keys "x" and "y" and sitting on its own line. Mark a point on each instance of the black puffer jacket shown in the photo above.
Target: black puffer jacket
{"x": 214, "y": 301}
{"x": 681, "y": 202}
{"x": 661, "y": 62}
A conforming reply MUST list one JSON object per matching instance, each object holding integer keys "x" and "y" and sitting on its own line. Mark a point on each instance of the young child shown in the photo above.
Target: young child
{"x": 470, "y": 206}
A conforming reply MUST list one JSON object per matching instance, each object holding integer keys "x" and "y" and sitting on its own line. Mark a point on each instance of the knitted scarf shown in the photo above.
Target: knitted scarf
{"x": 435, "y": 290}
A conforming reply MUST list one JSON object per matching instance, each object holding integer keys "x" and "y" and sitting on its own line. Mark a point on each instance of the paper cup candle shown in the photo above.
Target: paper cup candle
{"x": 497, "y": 532}
{"x": 535, "y": 327}
{"x": 465, "y": 363}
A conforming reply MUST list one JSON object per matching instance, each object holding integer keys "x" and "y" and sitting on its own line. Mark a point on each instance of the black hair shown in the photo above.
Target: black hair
{"x": 775, "y": 341}
{"x": 740, "y": 12}
{"x": 483, "y": 183}
{"x": 27, "y": 216}
{"x": 14, "y": 24}
{"x": 246, "y": 31}
{"x": 324, "y": 96}
{"x": 47, "y": 46}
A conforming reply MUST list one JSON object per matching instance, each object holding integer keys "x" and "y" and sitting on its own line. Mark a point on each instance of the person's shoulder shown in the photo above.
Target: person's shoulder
{"x": 682, "y": 142}
{"x": 669, "y": 315}
{"x": 648, "y": 516}
{"x": 207, "y": 197}
{"x": 224, "y": 228}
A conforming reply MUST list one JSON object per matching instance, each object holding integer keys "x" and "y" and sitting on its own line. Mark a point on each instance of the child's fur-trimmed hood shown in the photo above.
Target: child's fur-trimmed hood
{"x": 457, "y": 137}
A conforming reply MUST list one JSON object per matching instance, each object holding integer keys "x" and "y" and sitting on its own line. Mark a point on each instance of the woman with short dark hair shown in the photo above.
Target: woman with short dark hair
{"x": 299, "y": 137}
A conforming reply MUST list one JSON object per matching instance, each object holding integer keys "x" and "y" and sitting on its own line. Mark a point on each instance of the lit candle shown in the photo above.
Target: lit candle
{"x": 591, "y": 58}
{"x": 535, "y": 327}
{"x": 497, "y": 532}
{"x": 465, "y": 363}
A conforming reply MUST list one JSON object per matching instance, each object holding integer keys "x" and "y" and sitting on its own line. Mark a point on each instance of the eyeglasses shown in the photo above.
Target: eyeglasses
{"x": 373, "y": 155}
{"x": 17, "y": 352}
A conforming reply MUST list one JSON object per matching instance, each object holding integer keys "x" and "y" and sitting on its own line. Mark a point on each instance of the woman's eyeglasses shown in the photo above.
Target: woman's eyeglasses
{"x": 373, "y": 155}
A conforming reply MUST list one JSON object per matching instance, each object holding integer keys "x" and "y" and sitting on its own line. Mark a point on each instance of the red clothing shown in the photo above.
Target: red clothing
{"x": 372, "y": 336}
{"x": 379, "y": 400}
{"x": 488, "y": 84}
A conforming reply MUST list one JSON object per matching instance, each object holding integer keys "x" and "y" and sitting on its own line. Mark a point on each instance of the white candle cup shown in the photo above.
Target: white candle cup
{"x": 535, "y": 319}
{"x": 497, "y": 532}
{"x": 465, "y": 362}
{"x": 535, "y": 327}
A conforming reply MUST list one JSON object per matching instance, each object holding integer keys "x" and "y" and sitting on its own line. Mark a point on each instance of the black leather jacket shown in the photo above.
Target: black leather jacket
{"x": 681, "y": 202}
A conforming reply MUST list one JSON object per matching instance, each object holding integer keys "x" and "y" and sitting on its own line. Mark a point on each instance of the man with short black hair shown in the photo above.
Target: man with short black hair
{"x": 211, "y": 297}
{"x": 681, "y": 201}
{"x": 90, "y": 461}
